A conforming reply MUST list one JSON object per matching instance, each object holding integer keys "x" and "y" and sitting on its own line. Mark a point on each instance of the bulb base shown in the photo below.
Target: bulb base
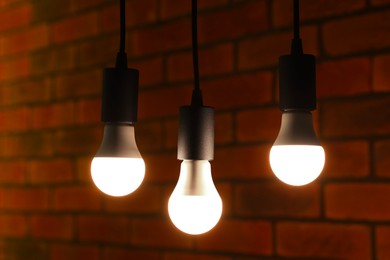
{"x": 120, "y": 95}
{"x": 297, "y": 82}
{"x": 297, "y": 129}
{"x": 118, "y": 141}
{"x": 196, "y": 133}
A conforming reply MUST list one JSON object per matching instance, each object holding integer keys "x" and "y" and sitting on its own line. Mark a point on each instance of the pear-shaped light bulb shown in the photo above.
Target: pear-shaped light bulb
{"x": 195, "y": 206}
{"x": 118, "y": 168}
{"x": 296, "y": 157}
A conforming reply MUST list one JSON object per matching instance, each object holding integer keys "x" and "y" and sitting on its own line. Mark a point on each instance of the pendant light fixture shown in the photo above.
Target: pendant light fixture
{"x": 297, "y": 157}
{"x": 195, "y": 206}
{"x": 118, "y": 168}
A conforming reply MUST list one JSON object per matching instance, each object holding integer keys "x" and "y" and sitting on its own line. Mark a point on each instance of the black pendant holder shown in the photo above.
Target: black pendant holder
{"x": 297, "y": 80}
{"x": 120, "y": 96}
{"x": 196, "y": 133}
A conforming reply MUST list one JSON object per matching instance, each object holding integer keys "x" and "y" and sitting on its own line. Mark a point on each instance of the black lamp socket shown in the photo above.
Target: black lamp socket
{"x": 196, "y": 133}
{"x": 297, "y": 81}
{"x": 120, "y": 96}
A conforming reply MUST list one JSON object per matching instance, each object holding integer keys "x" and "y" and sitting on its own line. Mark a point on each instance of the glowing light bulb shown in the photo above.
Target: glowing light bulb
{"x": 118, "y": 168}
{"x": 297, "y": 157}
{"x": 195, "y": 206}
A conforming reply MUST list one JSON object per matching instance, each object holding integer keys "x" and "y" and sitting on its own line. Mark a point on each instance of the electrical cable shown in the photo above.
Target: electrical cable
{"x": 296, "y": 44}
{"x": 121, "y": 59}
{"x": 296, "y": 19}
{"x": 196, "y": 94}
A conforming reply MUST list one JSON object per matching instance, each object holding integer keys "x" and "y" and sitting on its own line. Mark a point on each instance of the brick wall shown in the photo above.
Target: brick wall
{"x": 51, "y": 58}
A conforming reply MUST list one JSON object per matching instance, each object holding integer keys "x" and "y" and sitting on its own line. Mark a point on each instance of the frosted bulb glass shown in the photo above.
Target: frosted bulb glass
{"x": 118, "y": 168}
{"x": 117, "y": 176}
{"x": 195, "y": 206}
{"x": 297, "y": 157}
{"x": 297, "y": 164}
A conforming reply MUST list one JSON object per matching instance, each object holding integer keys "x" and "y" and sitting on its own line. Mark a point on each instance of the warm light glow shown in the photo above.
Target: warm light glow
{"x": 297, "y": 164}
{"x": 195, "y": 206}
{"x": 117, "y": 176}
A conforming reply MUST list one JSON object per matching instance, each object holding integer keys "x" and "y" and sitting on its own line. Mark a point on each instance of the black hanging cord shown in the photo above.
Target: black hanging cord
{"x": 196, "y": 94}
{"x": 121, "y": 59}
{"x": 296, "y": 44}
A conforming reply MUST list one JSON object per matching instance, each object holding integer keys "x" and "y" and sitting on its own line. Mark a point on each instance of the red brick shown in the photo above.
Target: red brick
{"x": 212, "y": 61}
{"x": 250, "y": 124}
{"x": 356, "y": 117}
{"x": 50, "y": 171}
{"x": 14, "y": 120}
{"x": 80, "y": 84}
{"x": 239, "y": 91}
{"x": 88, "y": 111}
{"x": 103, "y": 229}
{"x": 74, "y": 252}
{"x": 53, "y": 115}
{"x": 226, "y": 192}
{"x": 63, "y": 58}
{"x": 101, "y": 51}
{"x": 167, "y": 101}
{"x": 22, "y": 12}
{"x": 67, "y": 141}
{"x": 76, "y": 198}
{"x": 13, "y": 172}
{"x": 137, "y": 12}
{"x": 16, "y": 68}
{"x": 189, "y": 256}
{"x": 112, "y": 253}
{"x": 382, "y": 155}
{"x": 83, "y": 169}
{"x": 25, "y": 199}
{"x": 264, "y": 51}
{"x": 381, "y": 73}
{"x": 74, "y": 28}
{"x": 323, "y": 240}
{"x": 348, "y": 159}
{"x": 80, "y": 5}
{"x": 141, "y": 12}
{"x": 170, "y": 36}
{"x": 172, "y": 8}
{"x": 345, "y": 36}
{"x": 13, "y": 225}
{"x": 242, "y": 19}
{"x": 34, "y": 38}
{"x": 31, "y": 144}
{"x": 109, "y": 18}
{"x": 383, "y": 242}
{"x": 357, "y": 201}
{"x": 277, "y": 200}
{"x": 148, "y": 136}
{"x": 143, "y": 201}
{"x": 245, "y": 237}
{"x": 143, "y": 233}
{"x": 309, "y": 10}
{"x": 51, "y": 226}
{"x": 344, "y": 77}
{"x": 162, "y": 167}
{"x": 223, "y": 127}
{"x": 380, "y": 2}
{"x": 28, "y": 92}
{"x": 242, "y": 162}
{"x": 151, "y": 71}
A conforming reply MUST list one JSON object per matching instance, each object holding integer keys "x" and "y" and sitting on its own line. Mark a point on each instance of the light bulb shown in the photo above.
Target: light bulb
{"x": 118, "y": 168}
{"x": 296, "y": 157}
{"x": 195, "y": 206}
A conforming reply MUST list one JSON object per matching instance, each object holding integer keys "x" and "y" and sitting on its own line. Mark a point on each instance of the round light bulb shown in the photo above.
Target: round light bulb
{"x": 118, "y": 168}
{"x": 297, "y": 158}
{"x": 195, "y": 206}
